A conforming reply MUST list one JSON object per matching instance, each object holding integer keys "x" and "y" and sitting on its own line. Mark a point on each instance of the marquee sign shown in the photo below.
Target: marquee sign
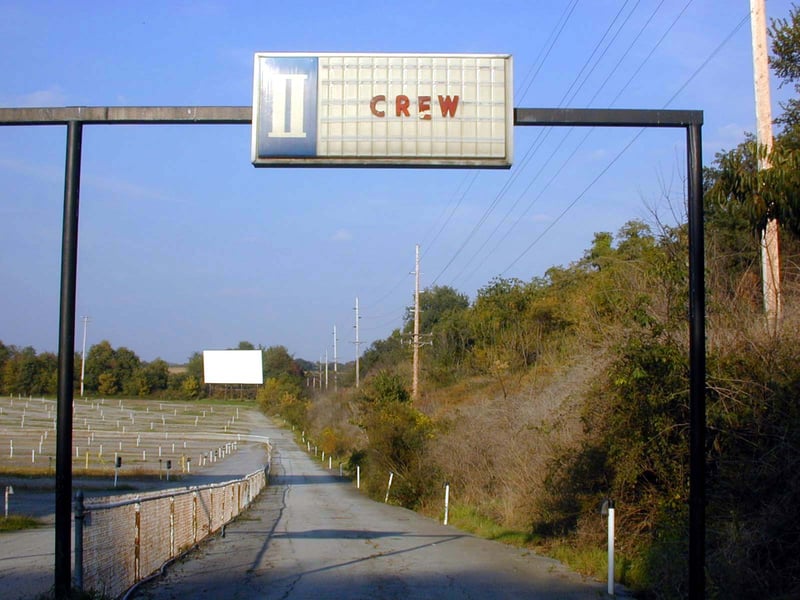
{"x": 382, "y": 110}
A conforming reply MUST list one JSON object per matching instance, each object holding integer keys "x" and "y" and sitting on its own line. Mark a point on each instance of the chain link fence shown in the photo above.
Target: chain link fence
{"x": 119, "y": 543}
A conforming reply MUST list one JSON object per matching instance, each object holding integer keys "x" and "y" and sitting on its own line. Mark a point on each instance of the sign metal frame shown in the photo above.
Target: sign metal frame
{"x": 75, "y": 117}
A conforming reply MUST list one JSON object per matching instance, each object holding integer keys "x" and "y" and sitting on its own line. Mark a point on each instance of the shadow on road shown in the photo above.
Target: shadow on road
{"x": 304, "y": 479}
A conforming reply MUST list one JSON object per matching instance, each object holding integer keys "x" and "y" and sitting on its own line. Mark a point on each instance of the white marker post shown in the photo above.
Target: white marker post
{"x": 358, "y": 477}
{"x": 9, "y": 491}
{"x": 388, "y": 487}
{"x": 446, "y": 501}
{"x": 608, "y": 509}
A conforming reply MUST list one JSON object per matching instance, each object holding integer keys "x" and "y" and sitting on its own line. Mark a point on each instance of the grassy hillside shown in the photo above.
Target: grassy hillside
{"x": 542, "y": 398}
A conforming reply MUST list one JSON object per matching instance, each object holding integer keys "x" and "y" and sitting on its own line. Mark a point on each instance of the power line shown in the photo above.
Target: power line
{"x": 554, "y": 35}
{"x": 530, "y": 77}
{"x": 614, "y": 69}
{"x": 455, "y": 208}
{"x": 539, "y": 140}
{"x": 630, "y": 143}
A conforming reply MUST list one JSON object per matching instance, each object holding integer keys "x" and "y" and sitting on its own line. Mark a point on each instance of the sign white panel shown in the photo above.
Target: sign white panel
{"x": 382, "y": 109}
{"x": 233, "y": 366}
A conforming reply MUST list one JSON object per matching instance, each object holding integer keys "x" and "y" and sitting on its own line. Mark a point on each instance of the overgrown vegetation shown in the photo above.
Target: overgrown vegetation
{"x": 541, "y": 398}
{"x": 17, "y": 523}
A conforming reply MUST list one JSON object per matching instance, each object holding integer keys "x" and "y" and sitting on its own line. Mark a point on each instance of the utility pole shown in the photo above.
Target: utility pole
{"x": 770, "y": 246}
{"x": 326, "y": 368}
{"x": 335, "y": 363}
{"x": 358, "y": 344}
{"x": 83, "y": 352}
{"x": 416, "y": 342}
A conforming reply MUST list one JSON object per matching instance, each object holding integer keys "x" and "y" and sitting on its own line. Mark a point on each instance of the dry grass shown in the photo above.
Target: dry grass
{"x": 495, "y": 451}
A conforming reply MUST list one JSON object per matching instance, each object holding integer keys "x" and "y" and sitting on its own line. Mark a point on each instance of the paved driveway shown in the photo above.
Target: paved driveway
{"x": 312, "y": 535}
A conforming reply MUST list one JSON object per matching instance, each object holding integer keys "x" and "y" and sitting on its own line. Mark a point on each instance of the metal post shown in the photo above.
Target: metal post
{"x": 79, "y": 518}
{"x": 692, "y": 121}
{"x": 697, "y": 366}
{"x": 66, "y": 359}
{"x": 83, "y": 353}
{"x": 446, "y": 501}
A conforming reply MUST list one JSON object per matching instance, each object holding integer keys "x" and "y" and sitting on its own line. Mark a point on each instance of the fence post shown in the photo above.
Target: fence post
{"x": 194, "y": 516}
{"x": 137, "y": 542}
{"x": 79, "y": 517}
{"x": 388, "y": 487}
{"x": 172, "y": 526}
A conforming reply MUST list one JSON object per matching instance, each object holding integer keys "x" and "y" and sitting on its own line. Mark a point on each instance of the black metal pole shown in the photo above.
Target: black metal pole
{"x": 66, "y": 360}
{"x": 697, "y": 366}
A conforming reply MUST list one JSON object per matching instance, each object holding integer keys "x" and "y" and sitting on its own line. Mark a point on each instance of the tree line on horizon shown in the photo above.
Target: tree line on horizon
{"x": 110, "y": 371}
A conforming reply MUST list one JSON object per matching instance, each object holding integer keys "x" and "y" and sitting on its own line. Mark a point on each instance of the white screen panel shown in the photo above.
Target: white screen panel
{"x": 233, "y": 366}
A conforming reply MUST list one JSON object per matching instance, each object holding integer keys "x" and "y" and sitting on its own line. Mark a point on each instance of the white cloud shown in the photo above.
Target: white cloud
{"x": 55, "y": 174}
{"x": 121, "y": 187}
{"x": 342, "y": 235}
{"x": 599, "y": 154}
{"x": 52, "y": 96}
{"x": 43, "y": 172}
{"x": 726, "y": 137}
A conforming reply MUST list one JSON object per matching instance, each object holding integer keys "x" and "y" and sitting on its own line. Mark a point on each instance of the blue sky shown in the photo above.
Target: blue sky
{"x": 185, "y": 246}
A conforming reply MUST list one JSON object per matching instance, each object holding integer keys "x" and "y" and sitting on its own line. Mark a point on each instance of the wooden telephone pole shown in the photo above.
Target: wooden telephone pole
{"x": 416, "y": 342}
{"x": 358, "y": 347}
{"x": 770, "y": 247}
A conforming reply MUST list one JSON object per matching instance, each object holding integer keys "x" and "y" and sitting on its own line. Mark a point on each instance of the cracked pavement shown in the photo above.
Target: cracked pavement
{"x": 311, "y": 534}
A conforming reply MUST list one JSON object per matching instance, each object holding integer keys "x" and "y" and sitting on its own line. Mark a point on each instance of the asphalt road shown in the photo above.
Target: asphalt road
{"x": 312, "y": 535}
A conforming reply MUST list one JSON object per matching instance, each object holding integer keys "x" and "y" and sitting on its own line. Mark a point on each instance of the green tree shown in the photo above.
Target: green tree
{"x": 191, "y": 387}
{"x": 99, "y": 360}
{"x": 277, "y": 361}
{"x": 20, "y": 371}
{"x": 150, "y": 377}
{"x": 453, "y": 339}
{"x": 194, "y": 368}
{"x": 46, "y": 381}
{"x": 124, "y": 365}
{"x": 397, "y": 438}
{"x": 385, "y": 387}
{"x": 785, "y": 62}
{"x": 384, "y": 354}
{"x": 107, "y": 384}
{"x": 435, "y": 304}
